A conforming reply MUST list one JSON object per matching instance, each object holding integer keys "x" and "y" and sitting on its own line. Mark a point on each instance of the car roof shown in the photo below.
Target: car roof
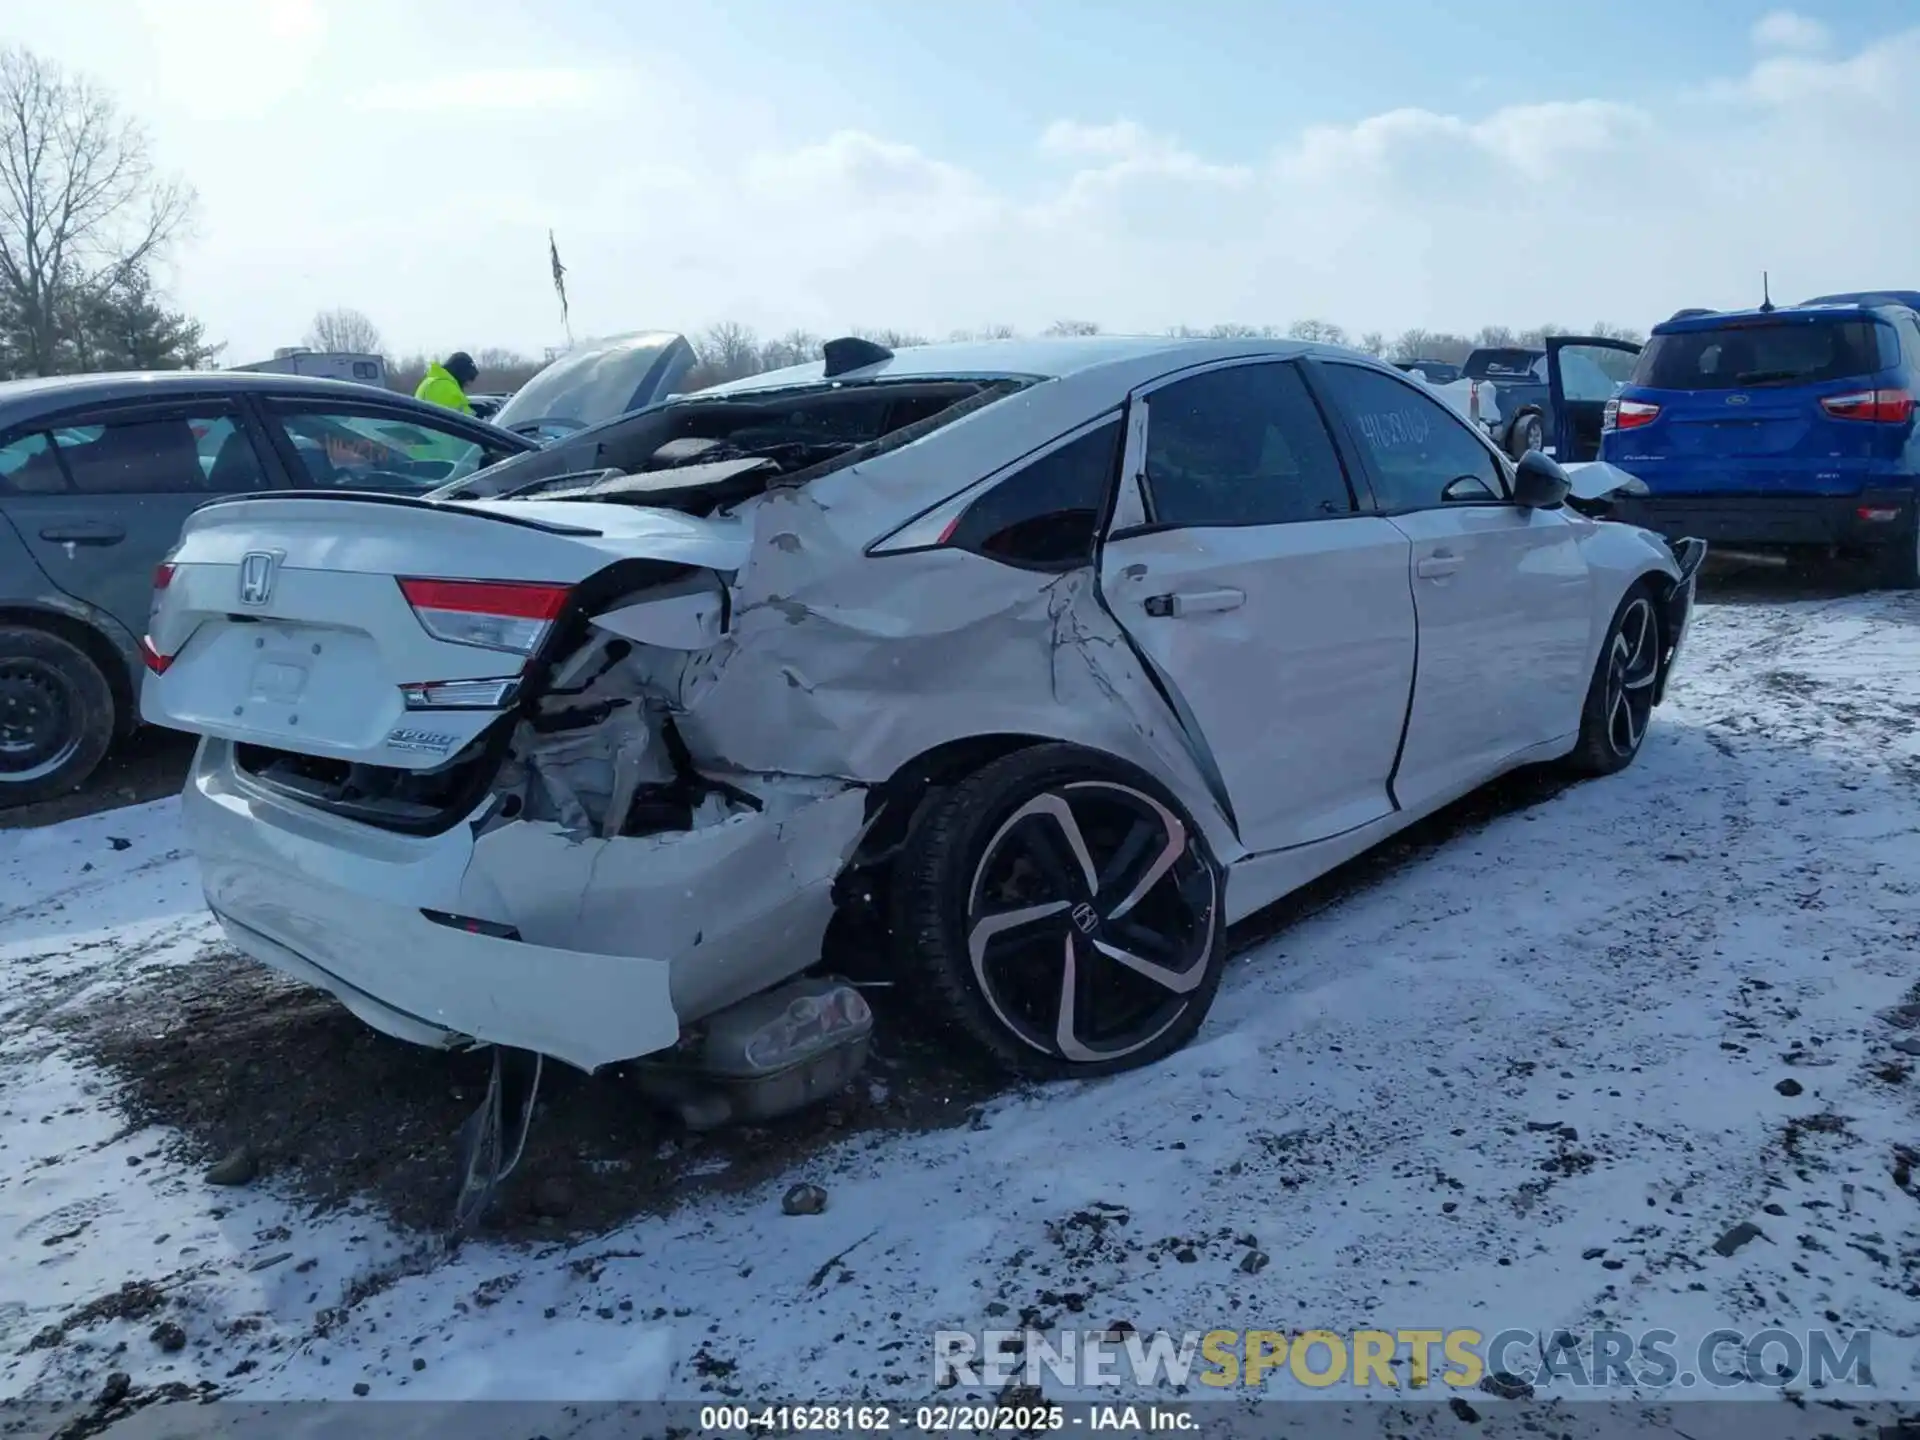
{"x": 1907, "y": 299}
{"x": 24, "y": 400}
{"x": 1812, "y": 310}
{"x": 1045, "y": 358}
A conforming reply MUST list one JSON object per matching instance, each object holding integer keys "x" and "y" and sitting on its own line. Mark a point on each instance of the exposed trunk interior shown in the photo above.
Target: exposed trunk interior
{"x": 700, "y": 455}
{"x": 591, "y": 747}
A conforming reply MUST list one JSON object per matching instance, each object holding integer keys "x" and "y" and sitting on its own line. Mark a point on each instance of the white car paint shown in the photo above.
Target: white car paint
{"x": 1268, "y": 700}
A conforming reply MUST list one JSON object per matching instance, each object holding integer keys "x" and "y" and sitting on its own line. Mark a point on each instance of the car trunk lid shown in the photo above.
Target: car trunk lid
{"x": 384, "y": 630}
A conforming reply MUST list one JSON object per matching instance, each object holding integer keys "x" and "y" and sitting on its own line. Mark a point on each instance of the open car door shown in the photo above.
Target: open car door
{"x": 1583, "y": 373}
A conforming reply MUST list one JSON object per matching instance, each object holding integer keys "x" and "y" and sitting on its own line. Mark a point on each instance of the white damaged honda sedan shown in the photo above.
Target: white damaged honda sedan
{"x": 1044, "y": 659}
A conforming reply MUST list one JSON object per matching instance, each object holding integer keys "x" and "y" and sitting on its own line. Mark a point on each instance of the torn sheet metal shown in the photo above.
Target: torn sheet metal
{"x": 836, "y": 664}
{"x": 1596, "y": 480}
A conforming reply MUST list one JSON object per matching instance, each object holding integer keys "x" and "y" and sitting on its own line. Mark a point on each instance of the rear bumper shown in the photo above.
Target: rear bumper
{"x": 1777, "y": 520}
{"x": 620, "y": 941}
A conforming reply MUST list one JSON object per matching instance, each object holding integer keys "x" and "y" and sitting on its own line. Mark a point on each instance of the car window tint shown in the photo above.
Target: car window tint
{"x": 228, "y": 458}
{"x": 1746, "y": 354}
{"x": 28, "y": 466}
{"x": 1908, "y": 340}
{"x": 1047, "y": 514}
{"x": 157, "y": 454}
{"x": 1422, "y": 454}
{"x": 1581, "y": 375}
{"x": 368, "y": 451}
{"x": 1244, "y": 445}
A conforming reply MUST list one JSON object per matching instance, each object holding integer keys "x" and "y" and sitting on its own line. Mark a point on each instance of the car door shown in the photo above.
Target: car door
{"x": 99, "y": 494}
{"x": 1277, "y": 616}
{"x": 1502, "y": 594}
{"x": 366, "y": 445}
{"x": 1583, "y": 373}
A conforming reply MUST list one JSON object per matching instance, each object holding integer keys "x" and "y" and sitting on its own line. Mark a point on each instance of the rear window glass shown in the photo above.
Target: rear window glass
{"x": 1780, "y": 353}
{"x": 1508, "y": 364}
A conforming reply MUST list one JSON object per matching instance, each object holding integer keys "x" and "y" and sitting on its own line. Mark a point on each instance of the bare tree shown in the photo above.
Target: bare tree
{"x": 1324, "y": 332}
{"x": 1373, "y": 342}
{"x": 985, "y": 332}
{"x": 729, "y": 351}
{"x": 1606, "y": 331}
{"x": 1073, "y": 327}
{"x": 82, "y": 206}
{"x": 892, "y": 339}
{"x": 1430, "y": 345}
{"x": 796, "y": 347}
{"x": 344, "y": 331}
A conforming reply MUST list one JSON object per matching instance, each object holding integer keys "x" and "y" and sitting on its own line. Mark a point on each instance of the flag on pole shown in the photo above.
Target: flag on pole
{"x": 560, "y": 284}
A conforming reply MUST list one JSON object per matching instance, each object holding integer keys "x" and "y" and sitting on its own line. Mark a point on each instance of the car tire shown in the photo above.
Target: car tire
{"x": 57, "y": 716}
{"x": 1619, "y": 704}
{"x": 1527, "y": 433}
{"x": 1118, "y": 954}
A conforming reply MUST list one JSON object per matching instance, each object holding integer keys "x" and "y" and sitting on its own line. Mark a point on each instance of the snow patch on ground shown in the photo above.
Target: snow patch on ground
{"x": 1527, "y": 1082}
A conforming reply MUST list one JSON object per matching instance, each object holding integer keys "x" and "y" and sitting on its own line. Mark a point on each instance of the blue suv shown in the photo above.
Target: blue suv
{"x": 1779, "y": 429}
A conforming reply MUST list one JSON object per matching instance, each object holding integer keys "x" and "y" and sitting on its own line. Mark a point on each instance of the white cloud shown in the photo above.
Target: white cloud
{"x": 487, "y": 90}
{"x": 1537, "y": 142}
{"x": 1074, "y": 140}
{"x": 223, "y": 59}
{"x": 1787, "y": 30}
{"x": 679, "y": 200}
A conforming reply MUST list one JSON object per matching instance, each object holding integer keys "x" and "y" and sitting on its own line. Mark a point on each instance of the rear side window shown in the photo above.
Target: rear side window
{"x": 1909, "y": 333}
{"x": 1516, "y": 364}
{"x": 187, "y": 453}
{"x": 1047, "y": 515}
{"x": 1737, "y": 357}
{"x": 28, "y": 466}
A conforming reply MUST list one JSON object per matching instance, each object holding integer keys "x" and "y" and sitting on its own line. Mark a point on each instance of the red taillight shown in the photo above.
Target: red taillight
{"x": 155, "y": 661}
{"x": 162, "y": 576}
{"x": 493, "y": 614}
{"x": 1628, "y": 414}
{"x": 487, "y": 597}
{"x": 1881, "y": 407}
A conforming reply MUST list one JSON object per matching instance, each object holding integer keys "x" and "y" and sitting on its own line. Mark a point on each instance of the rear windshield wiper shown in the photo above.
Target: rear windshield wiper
{"x": 1761, "y": 377}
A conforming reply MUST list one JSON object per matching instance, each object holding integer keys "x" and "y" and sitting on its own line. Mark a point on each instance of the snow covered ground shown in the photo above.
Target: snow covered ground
{"x": 1527, "y": 1080}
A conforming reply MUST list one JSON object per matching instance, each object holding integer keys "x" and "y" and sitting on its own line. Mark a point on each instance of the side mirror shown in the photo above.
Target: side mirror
{"x": 1539, "y": 483}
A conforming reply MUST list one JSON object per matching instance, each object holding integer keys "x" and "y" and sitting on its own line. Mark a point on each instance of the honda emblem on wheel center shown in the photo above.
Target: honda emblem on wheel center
{"x": 256, "y": 576}
{"x": 1084, "y": 918}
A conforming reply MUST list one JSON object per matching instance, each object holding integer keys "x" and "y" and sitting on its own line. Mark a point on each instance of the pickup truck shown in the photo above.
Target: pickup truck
{"x": 1549, "y": 398}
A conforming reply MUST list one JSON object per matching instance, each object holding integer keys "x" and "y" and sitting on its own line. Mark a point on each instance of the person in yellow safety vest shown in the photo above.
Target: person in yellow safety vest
{"x": 446, "y": 384}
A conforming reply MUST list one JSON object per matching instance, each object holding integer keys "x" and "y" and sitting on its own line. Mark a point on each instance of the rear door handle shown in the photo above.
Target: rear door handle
{"x": 1193, "y": 602}
{"x": 84, "y": 534}
{"x": 1437, "y": 567}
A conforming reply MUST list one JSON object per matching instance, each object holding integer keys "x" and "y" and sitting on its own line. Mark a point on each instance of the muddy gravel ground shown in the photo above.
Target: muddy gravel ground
{"x": 236, "y": 1059}
{"x": 150, "y": 766}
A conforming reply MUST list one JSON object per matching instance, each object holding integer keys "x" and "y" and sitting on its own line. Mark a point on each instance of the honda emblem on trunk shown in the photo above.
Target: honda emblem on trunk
{"x": 256, "y": 576}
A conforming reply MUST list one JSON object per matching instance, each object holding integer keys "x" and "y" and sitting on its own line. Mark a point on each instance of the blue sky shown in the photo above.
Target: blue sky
{"x": 1229, "y": 77}
{"x": 822, "y": 164}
